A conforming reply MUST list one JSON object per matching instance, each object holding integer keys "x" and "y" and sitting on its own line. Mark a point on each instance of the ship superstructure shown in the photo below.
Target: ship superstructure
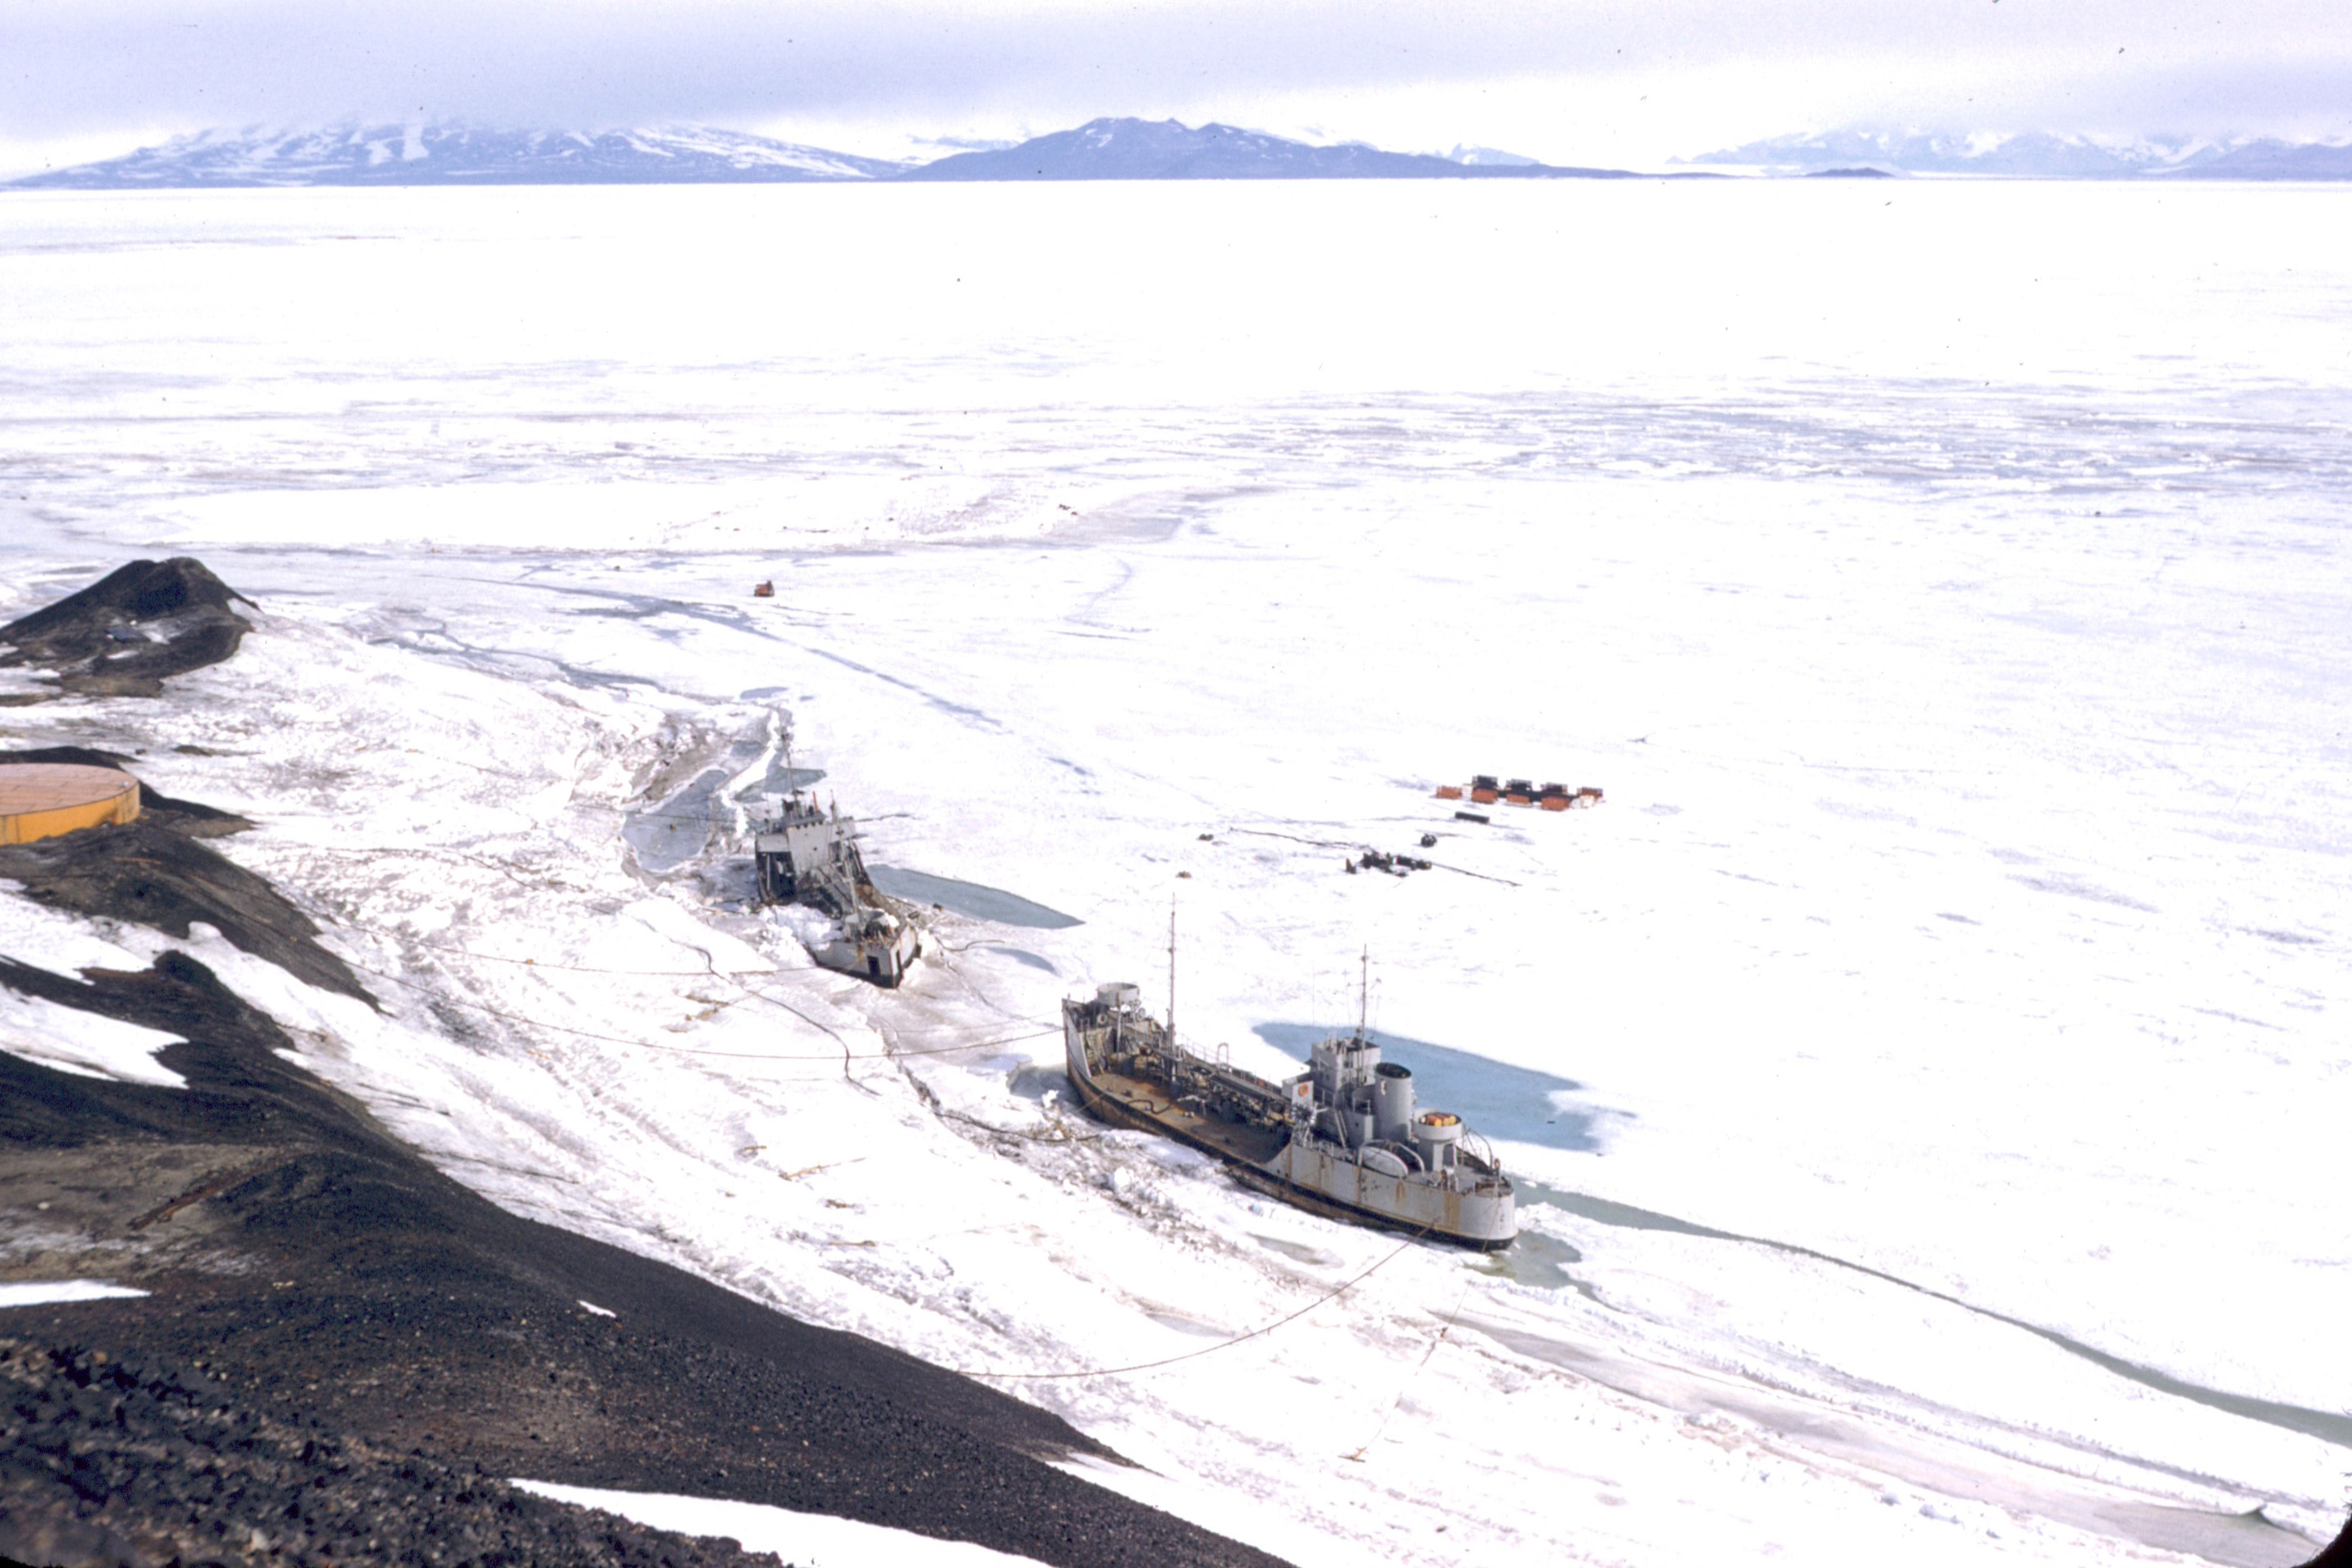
{"x": 806, "y": 855}
{"x": 1344, "y": 1138}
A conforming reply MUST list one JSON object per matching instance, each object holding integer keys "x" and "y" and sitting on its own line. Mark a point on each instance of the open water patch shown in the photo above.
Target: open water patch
{"x": 666, "y": 836}
{"x": 1500, "y": 1100}
{"x": 1625, "y": 1216}
{"x": 676, "y": 830}
{"x": 973, "y": 899}
{"x": 1038, "y": 1080}
{"x": 1538, "y": 1260}
{"x": 782, "y": 780}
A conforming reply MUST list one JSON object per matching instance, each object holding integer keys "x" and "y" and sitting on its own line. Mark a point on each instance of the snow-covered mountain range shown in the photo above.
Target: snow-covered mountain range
{"x": 458, "y": 156}
{"x": 389, "y": 155}
{"x": 1113, "y": 149}
{"x": 2036, "y": 155}
{"x": 1106, "y": 149}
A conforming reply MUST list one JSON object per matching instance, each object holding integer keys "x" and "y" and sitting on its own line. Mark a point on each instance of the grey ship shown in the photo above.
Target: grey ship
{"x": 1342, "y": 1138}
{"x": 805, "y": 855}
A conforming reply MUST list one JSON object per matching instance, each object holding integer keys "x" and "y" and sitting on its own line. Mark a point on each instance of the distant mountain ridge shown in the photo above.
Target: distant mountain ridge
{"x": 2280, "y": 160}
{"x": 462, "y": 155}
{"x": 1106, "y": 149}
{"x": 2036, "y": 155}
{"x": 1113, "y": 149}
{"x": 390, "y": 155}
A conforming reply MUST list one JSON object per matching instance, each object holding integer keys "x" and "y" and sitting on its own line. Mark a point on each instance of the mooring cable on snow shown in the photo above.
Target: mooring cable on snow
{"x": 584, "y": 969}
{"x": 1427, "y": 1356}
{"x": 589, "y": 969}
{"x": 1060, "y": 1134}
{"x": 1332, "y": 1294}
{"x": 730, "y": 976}
{"x": 702, "y": 1051}
{"x": 853, "y": 1055}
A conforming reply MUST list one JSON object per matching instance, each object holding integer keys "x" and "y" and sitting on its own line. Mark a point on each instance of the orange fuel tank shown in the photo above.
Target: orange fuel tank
{"x": 41, "y": 800}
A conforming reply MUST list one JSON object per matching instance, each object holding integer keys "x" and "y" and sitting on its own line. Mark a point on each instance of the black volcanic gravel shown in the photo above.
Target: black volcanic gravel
{"x": 109, "y": 1462}
{"x": 148, "y": 873}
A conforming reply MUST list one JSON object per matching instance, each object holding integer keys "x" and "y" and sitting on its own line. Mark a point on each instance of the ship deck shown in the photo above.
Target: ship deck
{"x": 1145, "y": 1106}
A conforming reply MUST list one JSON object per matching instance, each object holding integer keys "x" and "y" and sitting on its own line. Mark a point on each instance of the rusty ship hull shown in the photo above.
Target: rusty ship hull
{"x": 1279, "y": 1138}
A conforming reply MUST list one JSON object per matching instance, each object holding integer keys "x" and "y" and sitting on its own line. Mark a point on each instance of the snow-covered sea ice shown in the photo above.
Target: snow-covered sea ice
{"x": 1944, "y": 1000}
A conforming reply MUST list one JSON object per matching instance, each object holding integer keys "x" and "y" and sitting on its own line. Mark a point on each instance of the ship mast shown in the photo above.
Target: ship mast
{"x": 1364, "y": 992}
{"x": 1171, "y": 974}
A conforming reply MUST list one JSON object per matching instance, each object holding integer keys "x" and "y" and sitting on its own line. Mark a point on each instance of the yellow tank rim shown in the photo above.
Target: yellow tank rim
{"x": 42, "y": 800}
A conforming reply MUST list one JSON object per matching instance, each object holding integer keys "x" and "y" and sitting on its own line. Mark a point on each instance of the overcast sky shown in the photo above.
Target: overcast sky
{"x": 1599, "y": 82}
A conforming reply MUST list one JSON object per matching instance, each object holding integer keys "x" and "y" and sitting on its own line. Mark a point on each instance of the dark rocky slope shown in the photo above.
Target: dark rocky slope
{"x": 126, "y": 634}
{"x": 150, "y": 873}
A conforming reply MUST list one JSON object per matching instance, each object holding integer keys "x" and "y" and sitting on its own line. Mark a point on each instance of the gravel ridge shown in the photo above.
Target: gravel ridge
{"x": 120, "y": 1463}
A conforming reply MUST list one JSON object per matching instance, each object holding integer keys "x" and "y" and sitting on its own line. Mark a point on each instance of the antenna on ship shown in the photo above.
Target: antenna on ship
{"x": 1364, "y": 993}
{"x": 1172, "y": 971}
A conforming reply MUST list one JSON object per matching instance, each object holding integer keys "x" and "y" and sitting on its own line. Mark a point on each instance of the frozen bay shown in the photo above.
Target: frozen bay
{"x": 1944, "y": 580}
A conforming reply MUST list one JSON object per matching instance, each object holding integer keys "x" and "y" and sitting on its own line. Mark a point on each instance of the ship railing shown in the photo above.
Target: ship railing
{"x": 1247, "y": 1085}
{"x": 1463, "y": 1179}
{"x": 1478, "y": 1154}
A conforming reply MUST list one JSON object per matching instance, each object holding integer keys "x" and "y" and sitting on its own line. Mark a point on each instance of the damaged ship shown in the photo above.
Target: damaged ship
{"x": 1342, "y": 1138}
{"x": 806, "y": 855}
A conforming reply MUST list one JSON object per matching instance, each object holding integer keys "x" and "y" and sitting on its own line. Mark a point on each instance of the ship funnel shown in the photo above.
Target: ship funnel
{"x": 1434, "y": 1135}
{"x": 1392, "y": 1102}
